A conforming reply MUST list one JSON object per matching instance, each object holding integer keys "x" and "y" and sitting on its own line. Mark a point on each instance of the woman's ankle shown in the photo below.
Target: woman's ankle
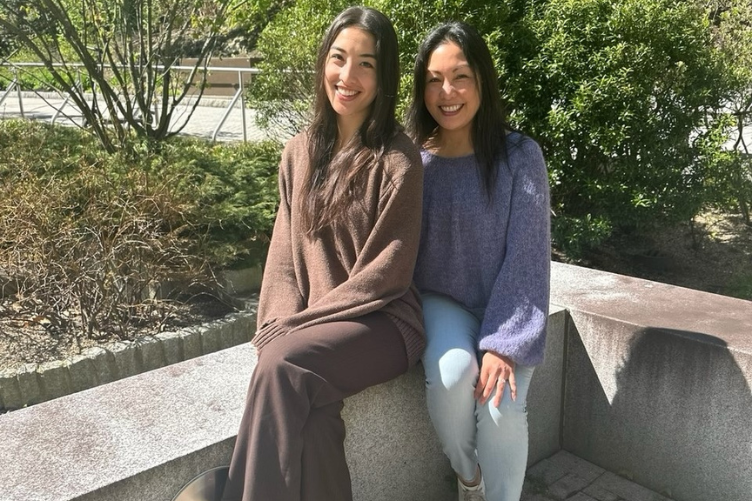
{"x": 471, "y": 483}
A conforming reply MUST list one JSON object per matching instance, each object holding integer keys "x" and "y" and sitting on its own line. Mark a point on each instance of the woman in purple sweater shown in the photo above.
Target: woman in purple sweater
{"x": 483, "y": 262}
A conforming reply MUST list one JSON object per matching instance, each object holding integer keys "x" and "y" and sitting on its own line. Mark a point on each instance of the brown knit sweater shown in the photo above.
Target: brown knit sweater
{"x": 353, "y": 269}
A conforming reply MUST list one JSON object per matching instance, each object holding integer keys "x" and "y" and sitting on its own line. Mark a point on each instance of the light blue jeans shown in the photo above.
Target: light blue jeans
{"x": 473, "y": 434}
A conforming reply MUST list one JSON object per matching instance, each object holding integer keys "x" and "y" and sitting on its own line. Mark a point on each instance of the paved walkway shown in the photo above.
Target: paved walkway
{"x": 560, "y": 477}
{"x": 202, "y": 123}
{"x": 565, "y": 476}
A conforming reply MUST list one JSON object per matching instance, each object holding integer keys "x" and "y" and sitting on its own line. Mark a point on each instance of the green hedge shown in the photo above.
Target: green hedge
{"x": 90, "y": 241}
{"x": 224, "y": 196}
{"x": 624, "y": 96}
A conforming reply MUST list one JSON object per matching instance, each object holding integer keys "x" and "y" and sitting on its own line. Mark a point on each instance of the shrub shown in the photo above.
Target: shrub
{"x": 87, "y": 238}
{"x": 127, "y": 50}
{"x": 622, "y": 95}
{"x": 283, "y": 91}
{"x": 734, "y": 37}
{"x": 575, "y": 236}
{"x": 619, "y": 94}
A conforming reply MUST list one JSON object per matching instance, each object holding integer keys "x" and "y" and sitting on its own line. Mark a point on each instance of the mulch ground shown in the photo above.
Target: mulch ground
{"x": 713, "y": 255}
{"x": 27, "y": 337}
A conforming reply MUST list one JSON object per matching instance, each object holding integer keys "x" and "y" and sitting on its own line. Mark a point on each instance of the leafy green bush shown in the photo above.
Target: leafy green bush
{"x": 619, "y": 94}
{"x": 734, "y": 37}
{"x": 622, "y": 95}
{"x": 30, "y": 78}
{"x": 234, "y": 193}
{"x": 731, "y": 184}
{"x": 228, "y": 191}
{"x": 282, "y": 93}
{"x": 576, "y": 235}
{"x": 90, "y": 235}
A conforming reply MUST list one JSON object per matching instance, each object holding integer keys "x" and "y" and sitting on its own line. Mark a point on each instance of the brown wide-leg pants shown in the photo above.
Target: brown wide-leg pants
{"x": 290, "y": 446}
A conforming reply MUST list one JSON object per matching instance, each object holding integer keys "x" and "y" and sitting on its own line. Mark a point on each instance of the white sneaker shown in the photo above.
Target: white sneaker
{"x": 476, "y": 493}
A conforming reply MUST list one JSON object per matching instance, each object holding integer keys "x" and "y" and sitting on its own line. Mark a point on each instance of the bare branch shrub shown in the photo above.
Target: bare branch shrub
{"x": 105, "y": 245}
{"x": 126, "y": 51}
{"x": 96, "y": 246}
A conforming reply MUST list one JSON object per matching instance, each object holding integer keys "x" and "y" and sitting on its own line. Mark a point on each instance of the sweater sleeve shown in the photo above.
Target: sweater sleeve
{"x": 280, "y": 295}
{"x": 384, "y": 267}
{"x": 515, "y": 319}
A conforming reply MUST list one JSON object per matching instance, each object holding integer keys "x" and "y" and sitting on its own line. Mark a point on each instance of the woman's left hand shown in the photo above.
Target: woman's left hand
{"x": 495, "y": 371}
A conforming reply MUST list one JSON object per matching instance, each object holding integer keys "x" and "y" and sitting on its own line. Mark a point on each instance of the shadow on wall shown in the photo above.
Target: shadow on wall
{"x": 680, "y": 421}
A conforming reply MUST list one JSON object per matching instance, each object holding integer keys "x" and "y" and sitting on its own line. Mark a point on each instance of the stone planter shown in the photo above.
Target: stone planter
{"x": 34, "y": 383}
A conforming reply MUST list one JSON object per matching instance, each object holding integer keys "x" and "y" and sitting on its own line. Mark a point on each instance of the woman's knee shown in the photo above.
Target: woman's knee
{"x": 277, "y": 360}
{"x": 453, "y": 370}
{"x": 270, "y": 371}
{"x": 450, "y": 358}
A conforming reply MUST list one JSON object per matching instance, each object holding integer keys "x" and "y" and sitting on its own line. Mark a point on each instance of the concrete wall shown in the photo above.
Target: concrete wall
{"x": 643, "y": 379}
{"x": 658, "y": 383}
{"x": 545, "y": 397}
{"x": 143, "y": 437}
{"x": 140, "y": 438}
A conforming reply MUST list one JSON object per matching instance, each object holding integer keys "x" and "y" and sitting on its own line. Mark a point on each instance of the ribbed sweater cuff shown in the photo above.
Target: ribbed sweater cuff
{"x": 267, "y": 334}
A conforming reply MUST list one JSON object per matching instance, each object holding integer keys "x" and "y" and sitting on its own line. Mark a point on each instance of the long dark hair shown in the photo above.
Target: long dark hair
{"x": 489, "y": 125}
{"x": 333, "y": 181}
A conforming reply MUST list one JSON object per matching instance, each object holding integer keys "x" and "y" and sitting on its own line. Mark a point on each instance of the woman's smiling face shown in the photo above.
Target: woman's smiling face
{"x": 350, "y": 74}
{"x": 452, "y": 94}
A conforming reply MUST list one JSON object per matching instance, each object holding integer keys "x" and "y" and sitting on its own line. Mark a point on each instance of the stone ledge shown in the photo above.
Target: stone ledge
{"x": 657, "y": 383}
{"x": 106, "y": 442}
{"x": 35, "y": 383}
{"x": 643, "y": 379}
{"x": 142, "y": 438}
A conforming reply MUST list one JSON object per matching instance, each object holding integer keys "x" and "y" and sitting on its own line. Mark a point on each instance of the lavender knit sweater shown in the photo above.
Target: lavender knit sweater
{"x": 492, "y": 257}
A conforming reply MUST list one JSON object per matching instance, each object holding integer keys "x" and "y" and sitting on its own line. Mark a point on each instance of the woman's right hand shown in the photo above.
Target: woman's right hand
{"x": 495, "y": 371}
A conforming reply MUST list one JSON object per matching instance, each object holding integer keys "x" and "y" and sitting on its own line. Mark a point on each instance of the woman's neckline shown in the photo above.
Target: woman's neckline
{"x": 462, "y": 156}
{"x": 450, "y": 158}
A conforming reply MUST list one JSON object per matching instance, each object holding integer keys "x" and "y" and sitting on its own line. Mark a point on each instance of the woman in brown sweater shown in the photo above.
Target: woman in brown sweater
{"x": 338, "y": 312}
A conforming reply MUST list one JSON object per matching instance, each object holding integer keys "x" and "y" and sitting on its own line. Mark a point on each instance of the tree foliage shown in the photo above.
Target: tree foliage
{"x": 283, "y": 92}
{"x": 619, "y": 94}
{"x": 625, "y": 96}
{"x": 733, "y": 30}
{"x": 7, "y": 44}
{"x": 126, "y": 49}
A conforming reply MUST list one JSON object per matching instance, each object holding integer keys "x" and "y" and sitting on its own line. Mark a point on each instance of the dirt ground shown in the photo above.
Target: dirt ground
{"x": 27, "y": 337}
{"x": 714, "y": 256}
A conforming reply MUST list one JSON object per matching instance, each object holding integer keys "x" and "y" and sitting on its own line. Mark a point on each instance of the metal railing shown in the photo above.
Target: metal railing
{"x": 15, "y": 85}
